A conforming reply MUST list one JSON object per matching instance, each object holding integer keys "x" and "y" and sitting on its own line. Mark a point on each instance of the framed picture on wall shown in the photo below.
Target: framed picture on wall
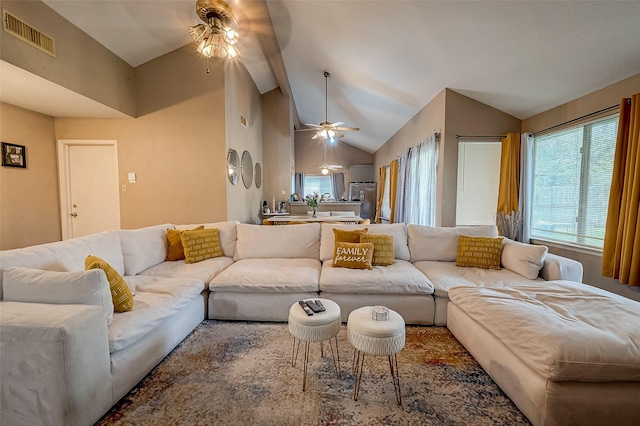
{"x": 14, "y": 155}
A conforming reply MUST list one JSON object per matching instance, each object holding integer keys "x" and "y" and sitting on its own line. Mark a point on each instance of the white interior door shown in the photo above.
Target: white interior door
{"x": 89, "y": 197}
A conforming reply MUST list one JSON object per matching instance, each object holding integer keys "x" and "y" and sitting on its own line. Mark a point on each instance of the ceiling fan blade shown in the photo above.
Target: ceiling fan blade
{"x": 334, "y": 166}
{"x": 339, "y": 135}
{"x": 336, "y": 124}
{"x": 350, "y": 129}
{"x": 306, "y": 130}
{"x": 315, "y": 126}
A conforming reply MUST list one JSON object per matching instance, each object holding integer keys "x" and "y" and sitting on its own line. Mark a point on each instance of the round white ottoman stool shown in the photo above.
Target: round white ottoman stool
{"x": 318, "y": 327}
{"x": 369, "y": 336}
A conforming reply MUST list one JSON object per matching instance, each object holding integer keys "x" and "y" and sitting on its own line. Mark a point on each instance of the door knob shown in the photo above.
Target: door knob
{"x": 74, "y": 214}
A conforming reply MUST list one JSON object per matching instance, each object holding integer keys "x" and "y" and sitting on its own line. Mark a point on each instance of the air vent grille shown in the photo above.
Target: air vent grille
{"x": 26, "y": 32}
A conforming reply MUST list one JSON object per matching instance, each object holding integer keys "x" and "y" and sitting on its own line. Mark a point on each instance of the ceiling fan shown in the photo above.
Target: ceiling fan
{"x": 325, "y": 167}
{"x": 326, "y": 129}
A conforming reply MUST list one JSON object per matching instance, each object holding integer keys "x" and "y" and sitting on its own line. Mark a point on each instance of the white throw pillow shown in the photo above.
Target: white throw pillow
{"x": 143, "y": 248}
{"x": 523, "y": 259}
{"x": 58, "y": 288}
{"x": 441, "y": 243}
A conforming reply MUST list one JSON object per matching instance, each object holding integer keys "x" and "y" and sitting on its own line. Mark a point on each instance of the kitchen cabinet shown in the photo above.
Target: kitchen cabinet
{"x": 361, "y": 173}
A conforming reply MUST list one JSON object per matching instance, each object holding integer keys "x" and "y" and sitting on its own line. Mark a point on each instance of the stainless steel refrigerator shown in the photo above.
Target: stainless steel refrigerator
{"x": 367, "y": 194}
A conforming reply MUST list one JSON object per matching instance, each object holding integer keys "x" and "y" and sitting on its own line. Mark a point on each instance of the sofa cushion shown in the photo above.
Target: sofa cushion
{"x": 446, "y": 275}
{"x": 142, "y": 248}
{"x": 269, "y": 275}
{"x": 564, "y": 331}
{"x": 353, "y": 255}
{"x": 226, "y": 233}
{"x": 59, "y": 288}
{"x": 175, "y": 249}
{"x": 68, "y": 255}
{"x": 157, "y": 299}
{"x": 441, "y": 243}
{"x": 399, "y": 278}
{"x": 204, "y": 271}
{"x": 271, "y": 242}
{"x": 120, "y": 293}
{"x": 524, "y": 259}
{"x": 201, "y": 244}
{"x": 397, "y": 230}
{"x": 479, "y": 252}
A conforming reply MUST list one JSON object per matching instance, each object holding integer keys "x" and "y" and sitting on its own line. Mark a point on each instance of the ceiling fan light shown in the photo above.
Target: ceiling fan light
{"x": 325, "y": 171}
{"x": 232, "y": 36}
{"x": 323, "y": 133}
{"x": 197, "y": 32}
{"x": 331, "y": 133}
{"x": 217, "y": 37}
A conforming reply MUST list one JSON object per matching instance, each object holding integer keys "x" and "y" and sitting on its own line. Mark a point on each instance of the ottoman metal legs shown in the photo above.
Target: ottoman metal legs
{"x": 318, "y": 327}
{"x": 372, "y": 337}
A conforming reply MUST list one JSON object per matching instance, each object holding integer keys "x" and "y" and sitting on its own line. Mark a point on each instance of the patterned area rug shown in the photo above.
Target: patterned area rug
{"x": 236, "y": 373}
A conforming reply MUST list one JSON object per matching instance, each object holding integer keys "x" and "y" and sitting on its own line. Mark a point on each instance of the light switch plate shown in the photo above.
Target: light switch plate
{"x": 132, "y": 177}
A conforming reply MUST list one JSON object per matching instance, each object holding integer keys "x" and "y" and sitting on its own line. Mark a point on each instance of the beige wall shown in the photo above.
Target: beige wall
{"x": 242, "y": 98}
{"x": 465, "y": 116}
{"x": 176, "y": 147}
{"x": 81, "y": 64}
{"x": 449, "y": 114}
{"x": 29, "y": 207}
{"x": 277, "y": 144}
{"x": 308, "y": 154}
{"x": 592, "y": 102}
{"x": 427, "y": 121}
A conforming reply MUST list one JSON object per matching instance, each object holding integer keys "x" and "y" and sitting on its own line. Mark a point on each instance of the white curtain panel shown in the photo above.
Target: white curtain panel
{"x": 403, "y": 169}
{"x": 526, "y": 186}
{"x": 417, "y": 174}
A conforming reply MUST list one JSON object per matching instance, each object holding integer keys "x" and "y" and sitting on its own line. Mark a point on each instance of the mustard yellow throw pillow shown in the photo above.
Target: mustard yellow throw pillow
{"x": 201, "y": 244}
{"x": 345, "y": 236}
{"x": 120, "y": 293}
{"x": 382, "y": 248}
{"x": 479, "y": 252}
{"x": 353, "y": 255}
{"x": 175, "y": 250}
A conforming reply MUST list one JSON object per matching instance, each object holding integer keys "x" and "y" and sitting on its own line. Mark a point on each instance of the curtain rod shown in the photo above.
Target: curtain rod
{"x": 492, "y": 137}
{"x": 581, "y": 118}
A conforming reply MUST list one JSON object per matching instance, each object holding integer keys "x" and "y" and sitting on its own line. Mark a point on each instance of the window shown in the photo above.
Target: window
{"x": 319, "y": 184}
{"x": 571, "y": 183}
{"x": 478, "y": 182}
{"x": 385, "y": 211}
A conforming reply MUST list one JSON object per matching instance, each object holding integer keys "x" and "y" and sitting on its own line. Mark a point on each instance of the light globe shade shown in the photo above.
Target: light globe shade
{"x": 325, "y": 171}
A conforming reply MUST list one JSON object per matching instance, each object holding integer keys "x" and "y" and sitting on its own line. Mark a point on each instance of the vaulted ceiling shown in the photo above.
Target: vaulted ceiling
{"x": 388, "y": 59}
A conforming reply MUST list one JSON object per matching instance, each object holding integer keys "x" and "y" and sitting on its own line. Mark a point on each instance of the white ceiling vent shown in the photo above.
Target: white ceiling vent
{"x": 26, "y": 32}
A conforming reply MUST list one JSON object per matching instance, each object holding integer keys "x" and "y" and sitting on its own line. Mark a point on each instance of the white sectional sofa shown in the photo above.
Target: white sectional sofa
{"x": 62, "y": 362}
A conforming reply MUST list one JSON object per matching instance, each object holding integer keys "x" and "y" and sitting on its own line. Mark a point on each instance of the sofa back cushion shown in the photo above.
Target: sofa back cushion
{"x": 441, "y": 243}
{"x": 283, "y": 241}
{"x": 143, "y": 248}
{"x": 59, "y": 288}
{"x": 68, "y": 255}
{"x": 226, "y": 232}
{"x": 397, "y": 230}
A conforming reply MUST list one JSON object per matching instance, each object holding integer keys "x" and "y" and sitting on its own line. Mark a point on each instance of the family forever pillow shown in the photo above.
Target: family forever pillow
{"x": 353, "y": 255}
{"x": 58, "y": 288}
